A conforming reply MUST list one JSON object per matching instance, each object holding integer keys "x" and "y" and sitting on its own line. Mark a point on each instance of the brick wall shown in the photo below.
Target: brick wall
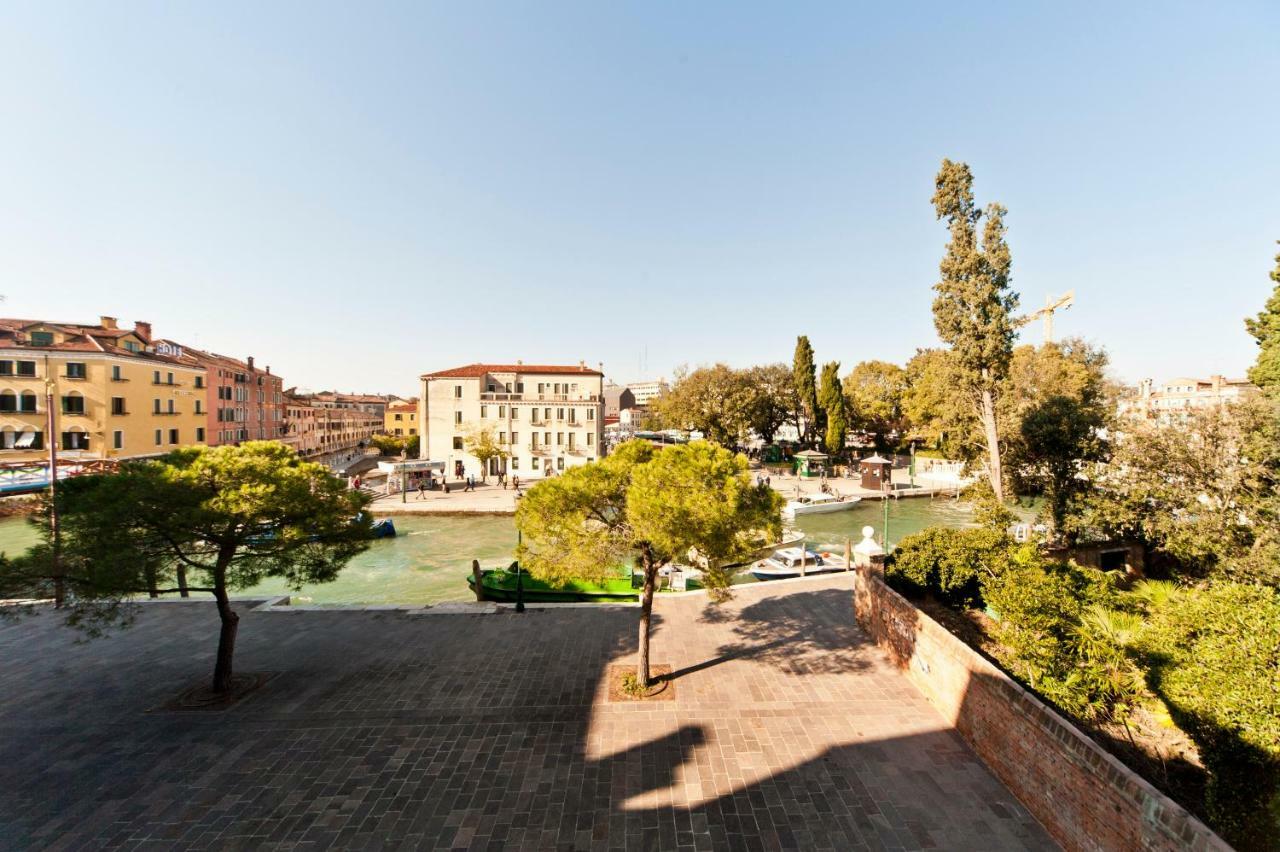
{"x": 1085, "y": 798}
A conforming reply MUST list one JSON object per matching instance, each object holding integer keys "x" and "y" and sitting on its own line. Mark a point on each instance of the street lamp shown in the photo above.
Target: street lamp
{"x": 59, "y": 583}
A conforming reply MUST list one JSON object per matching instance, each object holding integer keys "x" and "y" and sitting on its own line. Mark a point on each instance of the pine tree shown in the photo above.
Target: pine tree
{"x": 803, "y": 369}
{"x": 1265, "y": 327}
{"x": 831, "y": 395}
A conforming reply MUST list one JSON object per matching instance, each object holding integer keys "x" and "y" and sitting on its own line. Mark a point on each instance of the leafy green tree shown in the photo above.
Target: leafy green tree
{"x": 1204, "y": 496}
{"x": 875, "y": 390}
{"x": 806, "y": 388}
{"x": 1265, "y": 328}
{"x": 717, "y": 401}
{"x": 936, "y": 414}
{"x": 973, "y": 309}
{"x": 950, "y": 563}
{"x": 395, "y": 445}
{"x": 773, "y": 399}
{"x": 229, "y": 517}
{"x": 657, "y": 506}
{"x": 1213, "y": 656}
{"x": 834, "y": 409}
{"x": 482, "y": 442}
{"x": 1059, "y": 439}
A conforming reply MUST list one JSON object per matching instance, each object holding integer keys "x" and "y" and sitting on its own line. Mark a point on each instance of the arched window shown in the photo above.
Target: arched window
{"x": 8, "y": 401}
{"x": 73, "y": 403}
{"x": 27, "y": 402}
{"x": 8, "y": 438}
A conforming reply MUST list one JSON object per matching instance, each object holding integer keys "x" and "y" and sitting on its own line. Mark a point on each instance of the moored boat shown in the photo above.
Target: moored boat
{"x": 813, "y": 504}
{"x": 789, "y": 562}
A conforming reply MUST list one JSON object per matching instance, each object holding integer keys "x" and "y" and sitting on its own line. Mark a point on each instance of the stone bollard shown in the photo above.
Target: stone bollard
{"x": 869, "y": 553}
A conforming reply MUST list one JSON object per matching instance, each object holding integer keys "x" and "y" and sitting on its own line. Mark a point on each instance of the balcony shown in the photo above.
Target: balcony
{"x": 540, "y": 449}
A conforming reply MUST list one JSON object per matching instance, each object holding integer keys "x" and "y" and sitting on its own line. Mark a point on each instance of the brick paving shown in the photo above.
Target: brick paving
{"x": 383, "y": 730}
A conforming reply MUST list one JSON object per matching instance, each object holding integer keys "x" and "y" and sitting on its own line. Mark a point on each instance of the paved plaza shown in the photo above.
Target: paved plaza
{"x": 386, "y": 730}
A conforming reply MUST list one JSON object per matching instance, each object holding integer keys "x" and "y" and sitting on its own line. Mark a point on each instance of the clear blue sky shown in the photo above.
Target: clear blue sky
{"x": 359, "y": 193}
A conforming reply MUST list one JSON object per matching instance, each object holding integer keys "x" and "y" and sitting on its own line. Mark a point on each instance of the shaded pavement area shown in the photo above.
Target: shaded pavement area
{"x": 383, "y": 730}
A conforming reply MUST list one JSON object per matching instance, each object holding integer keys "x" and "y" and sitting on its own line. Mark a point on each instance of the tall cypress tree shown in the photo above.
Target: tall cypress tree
{"x": 804, "y": 370}
{"x": 831, "y": 396}
{"x": 973, "y": 310}
{"x": 1265, "y": 327}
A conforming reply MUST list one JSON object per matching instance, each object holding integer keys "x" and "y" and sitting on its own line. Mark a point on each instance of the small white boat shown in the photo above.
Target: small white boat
{"x": 797, "y": 562}
{"x": 813, "y": 504}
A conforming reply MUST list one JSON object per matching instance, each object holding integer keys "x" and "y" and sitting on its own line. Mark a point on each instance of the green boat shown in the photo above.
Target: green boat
{"x": 500, "y": 585}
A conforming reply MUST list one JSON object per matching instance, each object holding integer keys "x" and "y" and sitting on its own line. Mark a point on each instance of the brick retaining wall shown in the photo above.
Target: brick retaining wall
{"x": 1086, "y": 798}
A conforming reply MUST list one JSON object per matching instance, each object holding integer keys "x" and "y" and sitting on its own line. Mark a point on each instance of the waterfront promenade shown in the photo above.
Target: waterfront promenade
{"x": 380, "y": 729}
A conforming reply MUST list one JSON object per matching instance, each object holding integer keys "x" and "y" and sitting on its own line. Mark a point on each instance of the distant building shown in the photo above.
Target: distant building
{"x": 646, "y": 392}
{"x": 1175, "y": 399}
{"x": 330, "y": 427}
{"x": 117, "y": 393}
{"x": 547, "y": 418}
{"x": 617, "y": 398}
{"x": 244, "y": 402}
{"x": 401, "y": 418}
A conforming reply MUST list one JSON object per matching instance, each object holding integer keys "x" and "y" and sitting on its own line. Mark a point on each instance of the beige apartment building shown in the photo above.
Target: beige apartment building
{"x": 546, "y": 418}
{"x": 329, "y": 427}
{"x": 1173, "y": 400}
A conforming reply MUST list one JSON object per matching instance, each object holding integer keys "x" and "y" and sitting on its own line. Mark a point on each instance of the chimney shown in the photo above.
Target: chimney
{"x": 107, "y": 322}
{"x": 582, "y": 365}
{"x": 249, "y": 361}
{"x": 268, "y": 369}
{"x": 143, "y": 329}
{"x": 519, "y": 363}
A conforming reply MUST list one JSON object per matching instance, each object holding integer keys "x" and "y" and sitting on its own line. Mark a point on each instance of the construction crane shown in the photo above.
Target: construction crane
{"x": 1051, "y": 304}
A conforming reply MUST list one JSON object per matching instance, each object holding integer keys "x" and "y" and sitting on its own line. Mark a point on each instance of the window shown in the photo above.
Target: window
{"x": 117, "y": 440}
{"x": 117, "y": 406}
{"x": 502, "y": 411}
{"x": 533, "y": 463}
{"x": 399, "y": 418}
{"x": 571, "y": 440}
{"x": 156, "y": 409}
{"x": 560, "y": 463}
{"x": 75, "y": 370}
{"x": 25, "y": 440}
{"x": 6, "y": 368}
{"x": 199, "y": 381}
{"x": 170, "y": 405}
{"x": 26, "y": 368}
{"x": 115, "y": 373}
{"x": 200, "y": 407}
{"x": 535, "y": 441}
{"x": 200, "y": 434}
{"x": 590, "y": 439}
{"x": 546, "y": 438}
{"x": 573, "y": 415}
{"x": 457, "y": 417}
{"x": 159, "y": 439}
{"x": 515, "y": 413}
{"x": 515, "y": 463}
{"x": 457, "y": 391}
{"x": 559, "y": 438}
{"x": 73, "y": 404}
{"x": 75, "y": 441}
{"x": 27, "y": 402}
{"x": 502, "y": 437}
{"x": 546, "y": 414}
{"x": 132, "y": 346}
{"x": 484, "y": 411}
{"x": 169, "y": 379}
{"x": 41, "y": 338}
{"x": 457, "y": 443}
{"x": 173, "y": 436}
{"x": 8, "y": 401}
{"x": 515, "y": 437}
{"x": 413, "y": 431}
{"x": 559, "y": 413}
{"x": 519, "y": 387}
{"x": 155, "y": 377}
{"x": 591, "y": 414}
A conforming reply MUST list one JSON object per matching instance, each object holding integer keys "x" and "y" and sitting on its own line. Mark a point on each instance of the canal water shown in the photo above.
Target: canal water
{"x": 429, "y": 560}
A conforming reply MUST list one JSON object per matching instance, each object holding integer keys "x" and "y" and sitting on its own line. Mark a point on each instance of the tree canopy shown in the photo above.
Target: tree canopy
{"x": 482, "y": 442}
{"x": 804, "y": 378}
{"x": 973, "y": 309}
{"x": 875, "y": 391}
{"x": 834, "y": 409}
{"x": 1265, "y": 328}
{"x": 658, "y": 506}
{"x": 228, "y": 517}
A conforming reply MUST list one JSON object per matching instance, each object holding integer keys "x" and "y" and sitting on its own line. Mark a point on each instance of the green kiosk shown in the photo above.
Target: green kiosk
{"x": 810, "y": 463}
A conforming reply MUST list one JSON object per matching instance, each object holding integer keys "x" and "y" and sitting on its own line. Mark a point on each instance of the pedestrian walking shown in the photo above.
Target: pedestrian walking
{"x": 422, "y": 489}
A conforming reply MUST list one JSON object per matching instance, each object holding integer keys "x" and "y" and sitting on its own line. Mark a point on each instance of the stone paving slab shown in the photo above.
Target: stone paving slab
{"x": 380, "y": 730}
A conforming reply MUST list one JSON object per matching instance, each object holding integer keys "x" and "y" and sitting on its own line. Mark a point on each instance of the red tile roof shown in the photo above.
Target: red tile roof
{"x": 476, "y": 371}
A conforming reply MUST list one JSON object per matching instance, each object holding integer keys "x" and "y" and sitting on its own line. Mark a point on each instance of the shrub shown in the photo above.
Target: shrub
{"x": 1213, "y": 655}
{"x": 949, "y": 563}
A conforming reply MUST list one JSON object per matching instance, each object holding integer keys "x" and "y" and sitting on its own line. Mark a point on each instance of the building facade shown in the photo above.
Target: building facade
{"x": 244, "y": 403}
{"x": 644, "y": 393}
{"x": 545, "y": 418}
{"x": 330, "y": 427}
{"x": 401, "y": 419}
{"x": 116, "y": 393}
{"x": 1175, "y": 399}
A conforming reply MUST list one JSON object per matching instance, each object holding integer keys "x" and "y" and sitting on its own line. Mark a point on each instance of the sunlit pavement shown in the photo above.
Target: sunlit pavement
{"x": 380, "y": 729}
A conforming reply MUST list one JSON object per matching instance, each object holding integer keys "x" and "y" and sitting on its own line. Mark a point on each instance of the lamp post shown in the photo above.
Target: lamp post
{"x": 59, "y": 583}
{"x": 519, "y": 570}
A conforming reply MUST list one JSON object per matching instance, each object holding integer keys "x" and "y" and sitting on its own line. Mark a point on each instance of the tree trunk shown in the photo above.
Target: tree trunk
{"x": 182, "y": 581}
{"x": 994, "y": 472}
{"x": 151, "y": 582}
{"x": 226, "y": 637}
{"x": 646, "y": 611}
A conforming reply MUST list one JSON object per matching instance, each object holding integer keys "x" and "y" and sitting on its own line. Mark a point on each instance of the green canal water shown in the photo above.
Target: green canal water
{"x": 429, "y": 560}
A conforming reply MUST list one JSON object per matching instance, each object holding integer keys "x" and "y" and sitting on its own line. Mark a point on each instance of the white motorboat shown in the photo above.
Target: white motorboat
{"x": 797, "y": 562}
{"x": 813, "y": 504}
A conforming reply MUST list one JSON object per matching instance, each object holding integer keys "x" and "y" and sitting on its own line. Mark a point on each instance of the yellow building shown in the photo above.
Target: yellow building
{"x": 401, "y": 419}
{"x": 115, "y": 394}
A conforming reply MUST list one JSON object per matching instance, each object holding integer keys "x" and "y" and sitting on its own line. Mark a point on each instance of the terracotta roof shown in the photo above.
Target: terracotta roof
{"x": 476, "y": 371}
{"x": 80, "y": 338}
